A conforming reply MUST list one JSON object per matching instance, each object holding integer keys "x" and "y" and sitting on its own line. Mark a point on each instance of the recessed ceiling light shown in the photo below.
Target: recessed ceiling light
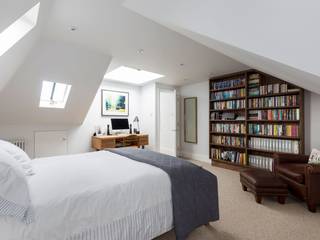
{"x": 181, "y": 64}
{"x": 131, "y": 75}
{"x": 73, "y": 28}
{"x": 141, "y": 51}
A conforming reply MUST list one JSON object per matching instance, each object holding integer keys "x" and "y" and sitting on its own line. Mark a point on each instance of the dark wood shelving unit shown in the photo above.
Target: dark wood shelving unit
{"x": 289, "y": 91}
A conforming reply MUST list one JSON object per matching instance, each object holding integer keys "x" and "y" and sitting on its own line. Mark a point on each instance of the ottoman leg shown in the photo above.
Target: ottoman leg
{"x": 281, "y": 199}
{"x": 244, "y": 188}
{"x": 258, "y": 198}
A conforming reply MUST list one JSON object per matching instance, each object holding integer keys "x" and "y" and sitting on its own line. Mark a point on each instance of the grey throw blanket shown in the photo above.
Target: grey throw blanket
{"x": 194, "y": 190}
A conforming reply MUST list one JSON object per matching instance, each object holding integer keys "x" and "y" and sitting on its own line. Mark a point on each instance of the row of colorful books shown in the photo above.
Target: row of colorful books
{"x": 276, "y": 114}
{"x": 290, "y": 130}
{"x": 230, "y": 156}
{"x": 276, "y": 88}
{"x": 228, "y": 94}
{"x": 227, "y": 116}
{"x": 276, "y": 145}
{"x": 229, "y": 141}
{"x": 229, "y": 104}
{"x": 228, "y": 128}
{"x": 280, "y": 101}
{"x": 229, "y": 83}
{"x": 261, "y": 162}
{"x": 256, "y": 90}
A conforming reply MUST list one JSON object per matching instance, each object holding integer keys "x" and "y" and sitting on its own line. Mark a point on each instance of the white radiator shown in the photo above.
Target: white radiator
{"x": 19, "y": 142}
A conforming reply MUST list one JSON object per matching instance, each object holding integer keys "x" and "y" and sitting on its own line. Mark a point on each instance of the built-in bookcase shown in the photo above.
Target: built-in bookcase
{"x": 253, "y": 115}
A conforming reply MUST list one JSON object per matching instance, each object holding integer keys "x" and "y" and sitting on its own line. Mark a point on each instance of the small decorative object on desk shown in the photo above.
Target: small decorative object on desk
{"x": 130, "y": 129}
{"x": 108, "y": 129}
{"x": 136, "y": 129}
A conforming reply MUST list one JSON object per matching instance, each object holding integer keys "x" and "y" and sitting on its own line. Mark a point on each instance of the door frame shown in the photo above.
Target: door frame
{"x": 160, "y": 88}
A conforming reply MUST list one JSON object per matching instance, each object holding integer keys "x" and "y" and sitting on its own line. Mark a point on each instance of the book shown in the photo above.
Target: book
{"x": 228, "y": 141}
{"x": 276, "y": 145}
{"x": 228, "y": 83}
{"x": 231, "y": 156}
{"x": 233, "y": 104}
{"x": 228, "y": 128}
{"x": 275, "y": 114}
{"x": 277, "y": 130}
{"x": 261, "y": 162}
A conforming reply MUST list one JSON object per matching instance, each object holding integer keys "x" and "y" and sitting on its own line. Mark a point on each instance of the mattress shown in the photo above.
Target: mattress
{"x": 94, "y": 196}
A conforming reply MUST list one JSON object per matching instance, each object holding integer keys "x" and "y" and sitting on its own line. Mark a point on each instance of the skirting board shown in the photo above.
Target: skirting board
{"x": 194, "y": 156}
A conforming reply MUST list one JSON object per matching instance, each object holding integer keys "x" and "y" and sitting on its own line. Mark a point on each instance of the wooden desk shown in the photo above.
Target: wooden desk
{"x": 121, "y": 140}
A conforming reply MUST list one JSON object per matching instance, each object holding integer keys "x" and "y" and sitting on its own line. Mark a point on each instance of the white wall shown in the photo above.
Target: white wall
{"x": 94, "y": 118}
{"x": 312, "y": 121}
{"x": 79, "y": 138}
{"x": 199, "y": 151}
{"x": 148, "y": 110}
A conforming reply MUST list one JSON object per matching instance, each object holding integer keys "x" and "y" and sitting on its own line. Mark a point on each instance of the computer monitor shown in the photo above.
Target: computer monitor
{"x": 119, "y": 123}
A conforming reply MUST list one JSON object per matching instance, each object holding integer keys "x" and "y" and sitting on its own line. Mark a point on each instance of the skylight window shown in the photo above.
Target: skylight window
{"x": 17, "y": 30}
{"x": 54, "y": 95}
{"x": 131, "y": 75}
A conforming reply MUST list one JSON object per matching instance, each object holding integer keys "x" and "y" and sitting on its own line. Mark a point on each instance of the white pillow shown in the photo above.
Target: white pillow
{"x": 19, "y": 155}
{"x": 14, "y": 191}
{"x": 314, "y": 157}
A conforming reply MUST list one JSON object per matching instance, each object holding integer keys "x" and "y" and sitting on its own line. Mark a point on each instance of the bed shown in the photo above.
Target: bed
{"x": 96, "y": 196}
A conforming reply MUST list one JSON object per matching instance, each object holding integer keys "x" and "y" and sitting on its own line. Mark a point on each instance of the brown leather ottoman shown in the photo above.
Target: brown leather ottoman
{"x": 263, "y": 183}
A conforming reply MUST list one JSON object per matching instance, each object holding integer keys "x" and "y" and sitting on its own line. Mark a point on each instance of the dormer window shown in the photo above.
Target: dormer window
{"x": 17, "y": 30}
{"x": 54, "y": 95}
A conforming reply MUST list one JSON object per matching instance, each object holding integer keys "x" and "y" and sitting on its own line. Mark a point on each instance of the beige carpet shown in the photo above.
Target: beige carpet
{"x": 242, "y": 218}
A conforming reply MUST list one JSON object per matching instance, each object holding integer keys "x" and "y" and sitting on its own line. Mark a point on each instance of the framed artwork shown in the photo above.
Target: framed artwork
{"x": 114, "y": 103}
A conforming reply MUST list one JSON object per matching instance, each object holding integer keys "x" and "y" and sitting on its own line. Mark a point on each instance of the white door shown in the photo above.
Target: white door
{"x": 167, "y": 122}
{"x": 51, "y": 143}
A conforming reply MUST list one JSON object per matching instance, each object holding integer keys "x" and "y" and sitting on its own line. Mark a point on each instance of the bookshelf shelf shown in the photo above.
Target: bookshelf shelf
{"x": 270, "y": 108}
{"x": 228, "y": 134}
{"x": 228, "y": 110}
{"x": 276, "y": 137}
{"x": 227, "y": 146}
{"x": 267, "y": 151}
{"x": 254, "y": 88}
{"x": 275, "y": 95}
{"x": 230, "y": 163}
{"x": 227, "y": 121}
{"x": 273, "y": 121}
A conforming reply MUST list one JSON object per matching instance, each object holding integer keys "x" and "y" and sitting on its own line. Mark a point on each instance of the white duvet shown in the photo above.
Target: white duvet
{"x": 101, "y": 193}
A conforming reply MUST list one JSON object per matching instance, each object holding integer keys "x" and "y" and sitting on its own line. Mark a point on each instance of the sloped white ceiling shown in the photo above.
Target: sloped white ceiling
{"x": 53, "y": 61}
{"x": 10, "y": 11}
{"x": 106, "y": 31}
{"x": 109, "y": 27}
{"x": 278, "y": 37}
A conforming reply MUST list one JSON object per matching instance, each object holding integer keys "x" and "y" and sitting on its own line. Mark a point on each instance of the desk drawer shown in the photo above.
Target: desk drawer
{"x": 144, "y": 140}
{"x": 110, "y": 143}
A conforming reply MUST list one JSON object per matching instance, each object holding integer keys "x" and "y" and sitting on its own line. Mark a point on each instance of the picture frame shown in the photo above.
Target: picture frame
{"x": 114, "y": 103}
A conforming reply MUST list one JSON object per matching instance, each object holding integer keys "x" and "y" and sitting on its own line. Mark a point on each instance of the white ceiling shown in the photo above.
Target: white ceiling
{"x": 105, "y": 30}
{"x": 277, "y": 37}
{"x": 109, "y": 27}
